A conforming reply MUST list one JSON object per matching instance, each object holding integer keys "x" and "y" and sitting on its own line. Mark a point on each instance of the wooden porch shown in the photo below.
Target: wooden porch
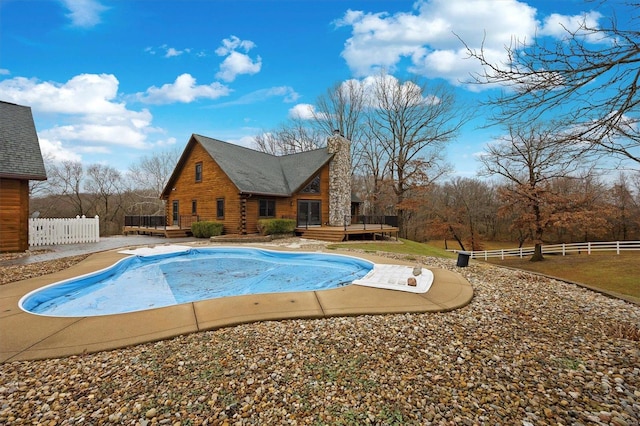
{"x": 157, "y": 225}
{"x": 343, "y": 233}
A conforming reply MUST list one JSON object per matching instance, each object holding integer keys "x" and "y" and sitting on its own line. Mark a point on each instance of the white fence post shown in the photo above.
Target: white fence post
{"x": 63, "y": 231}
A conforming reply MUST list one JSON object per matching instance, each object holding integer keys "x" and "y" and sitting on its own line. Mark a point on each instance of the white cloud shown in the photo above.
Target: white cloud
{"x": 286, "y": 92}
{"x": 562, "y": 26}
{"x": 53, "y": 149}
{"x": 246, "y": 141}
{"x": 171, "y": 52}
{"x": 166, "y": 142}
{"x": 429, "y": 36}
{"x": 232, "y": 44}
{"x": 4, "y": 71}
{"x": 184, "y": 89}
{"x": 84, "y": 13}
{"x": 302, "y": 111}
{"x": 83, "y": 94}
{"x": 119, "y": 134}
{"x": 237, "y": 63}
{"x": 87, "y": 116}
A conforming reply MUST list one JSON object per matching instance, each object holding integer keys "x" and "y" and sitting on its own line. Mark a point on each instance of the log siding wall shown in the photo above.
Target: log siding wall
{"x": 14, "y": 215}
{"x": 215, "y": 184}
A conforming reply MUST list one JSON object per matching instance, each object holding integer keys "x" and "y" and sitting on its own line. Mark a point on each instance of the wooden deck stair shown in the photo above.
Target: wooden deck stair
{"x": 322, "y": 234}
{"x": 177, "y": 233}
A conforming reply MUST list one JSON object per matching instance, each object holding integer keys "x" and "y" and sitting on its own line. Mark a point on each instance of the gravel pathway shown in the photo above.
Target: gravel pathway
{"x": 526, "y": 351}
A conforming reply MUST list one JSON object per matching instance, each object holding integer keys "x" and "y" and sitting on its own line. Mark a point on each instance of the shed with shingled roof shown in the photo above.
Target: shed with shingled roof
{"x": 20, "y": 162}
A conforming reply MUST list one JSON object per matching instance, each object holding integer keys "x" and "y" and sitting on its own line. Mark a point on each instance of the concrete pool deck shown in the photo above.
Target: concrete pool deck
{"x": 24, "y": 336}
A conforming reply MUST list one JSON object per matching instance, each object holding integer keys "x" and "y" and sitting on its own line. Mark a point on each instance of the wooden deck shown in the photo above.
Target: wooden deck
{"x": 339, "y": 233}
{"x": 166, "y": 231}
{"x": 323, "y": 233}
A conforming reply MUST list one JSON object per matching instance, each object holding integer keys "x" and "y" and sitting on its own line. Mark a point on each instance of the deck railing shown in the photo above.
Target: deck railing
{"x": 373, "y": 221}
{"x": 146, "y": 221}
{"x": 562, "y": 249}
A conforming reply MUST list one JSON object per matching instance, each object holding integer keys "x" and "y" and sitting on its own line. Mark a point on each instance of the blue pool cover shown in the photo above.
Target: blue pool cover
{"x": 137, "y": 283}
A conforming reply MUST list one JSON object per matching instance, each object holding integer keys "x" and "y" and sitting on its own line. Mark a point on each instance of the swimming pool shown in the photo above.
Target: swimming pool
{"x": 146, "y": 282}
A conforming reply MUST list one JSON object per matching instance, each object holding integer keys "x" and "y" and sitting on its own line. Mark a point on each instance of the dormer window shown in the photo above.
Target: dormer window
{"x": 313, "y": 187}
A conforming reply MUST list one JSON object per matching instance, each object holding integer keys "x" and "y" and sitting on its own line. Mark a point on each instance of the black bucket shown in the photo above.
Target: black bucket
{"x": 463, "y": 259}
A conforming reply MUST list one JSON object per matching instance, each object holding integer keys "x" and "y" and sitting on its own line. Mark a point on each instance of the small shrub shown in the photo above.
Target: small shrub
{"x": 206, "y": 229}
{"x": 276, "y": 226}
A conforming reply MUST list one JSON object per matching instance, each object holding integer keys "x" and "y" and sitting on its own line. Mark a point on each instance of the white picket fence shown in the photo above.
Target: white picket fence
{"x": 44, "y": 232}
{"x": 563, "y": 249}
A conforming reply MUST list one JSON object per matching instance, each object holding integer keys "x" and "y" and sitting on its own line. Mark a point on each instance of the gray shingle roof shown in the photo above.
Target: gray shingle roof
{"x": 20, "y": 156}
{"x": 256, "y": 172}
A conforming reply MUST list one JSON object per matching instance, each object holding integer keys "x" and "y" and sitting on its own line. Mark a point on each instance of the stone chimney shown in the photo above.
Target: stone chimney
{"x": 339, "y": 180}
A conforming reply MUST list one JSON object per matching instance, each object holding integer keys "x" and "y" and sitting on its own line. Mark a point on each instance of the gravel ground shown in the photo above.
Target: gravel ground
{"x": 526, "y": 351}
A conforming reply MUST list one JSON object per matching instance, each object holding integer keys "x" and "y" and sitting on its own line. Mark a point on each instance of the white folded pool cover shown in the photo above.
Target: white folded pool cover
{"x": 395, "y": 277}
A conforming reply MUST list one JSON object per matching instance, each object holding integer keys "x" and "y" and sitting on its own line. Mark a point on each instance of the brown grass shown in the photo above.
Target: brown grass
{"x": 602, "y": 270}
{"x": 606, "y": 270}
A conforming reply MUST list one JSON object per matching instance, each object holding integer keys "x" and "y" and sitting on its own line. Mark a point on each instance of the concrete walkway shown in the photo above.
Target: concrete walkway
{"x": 24, "y": 336}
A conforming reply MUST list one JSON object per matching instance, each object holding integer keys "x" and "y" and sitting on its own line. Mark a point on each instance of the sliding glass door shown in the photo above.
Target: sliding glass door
{"x": 309, "y": 213}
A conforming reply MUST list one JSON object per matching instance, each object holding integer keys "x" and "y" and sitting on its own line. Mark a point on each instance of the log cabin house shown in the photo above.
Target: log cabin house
{"x": 220, "y": 181}
{"x": 20, "y": 162}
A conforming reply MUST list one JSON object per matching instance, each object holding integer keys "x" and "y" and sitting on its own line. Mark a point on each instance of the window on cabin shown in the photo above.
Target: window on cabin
{"x": 198, "y": 172}
{"x": 313, "y": 187}
{"x": 194, "y": 207}
{"x": 220, "y": 208}
{"x": 267, "y": 208}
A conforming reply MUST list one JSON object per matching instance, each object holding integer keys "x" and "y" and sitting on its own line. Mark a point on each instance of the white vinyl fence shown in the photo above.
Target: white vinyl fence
{"x": 43, "y": 232}
{"x": 563, "y": 249}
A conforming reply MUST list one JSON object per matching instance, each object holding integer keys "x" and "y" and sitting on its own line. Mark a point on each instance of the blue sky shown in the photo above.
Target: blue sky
{"x": 112, "y": 81}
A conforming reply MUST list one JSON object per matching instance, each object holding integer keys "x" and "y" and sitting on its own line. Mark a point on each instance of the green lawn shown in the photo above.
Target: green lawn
{"x": 403, "y": 246}
{"x": 603, "y": 270}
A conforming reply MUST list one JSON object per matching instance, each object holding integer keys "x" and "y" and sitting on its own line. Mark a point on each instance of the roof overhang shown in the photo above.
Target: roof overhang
{"x": 22, "y": 177}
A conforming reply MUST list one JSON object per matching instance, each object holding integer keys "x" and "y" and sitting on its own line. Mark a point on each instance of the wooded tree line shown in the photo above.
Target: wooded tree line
{"x": 72, "y": 189}
{"x": 465, "y": 211}
{"x": 470, "y": 211}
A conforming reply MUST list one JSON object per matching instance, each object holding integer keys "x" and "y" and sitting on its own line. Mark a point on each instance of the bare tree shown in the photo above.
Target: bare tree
{"x": 412, "y": 124}
{"x": 342, "y": 108}
{"x": 105, "y": 185}
{"x": 581, "y": 210}
{"x": 464, "y": 209}
{"x": 626, "y": 209}
{"x": 148, "y": 177}
{"x": 529, "y": 158}
{"x": 373, "y": 164}
{"x": 292, "y": 137}
{"x": 41, "y": 188}
{"x": 589, "y": 79}
{"x": 66, "y": 179}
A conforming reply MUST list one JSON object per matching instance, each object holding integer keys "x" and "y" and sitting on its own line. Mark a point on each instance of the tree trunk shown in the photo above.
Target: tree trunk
{"x": 537, "y": 250}
{"x": 537, "y": 253}
{"x": 457, "y": 238}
